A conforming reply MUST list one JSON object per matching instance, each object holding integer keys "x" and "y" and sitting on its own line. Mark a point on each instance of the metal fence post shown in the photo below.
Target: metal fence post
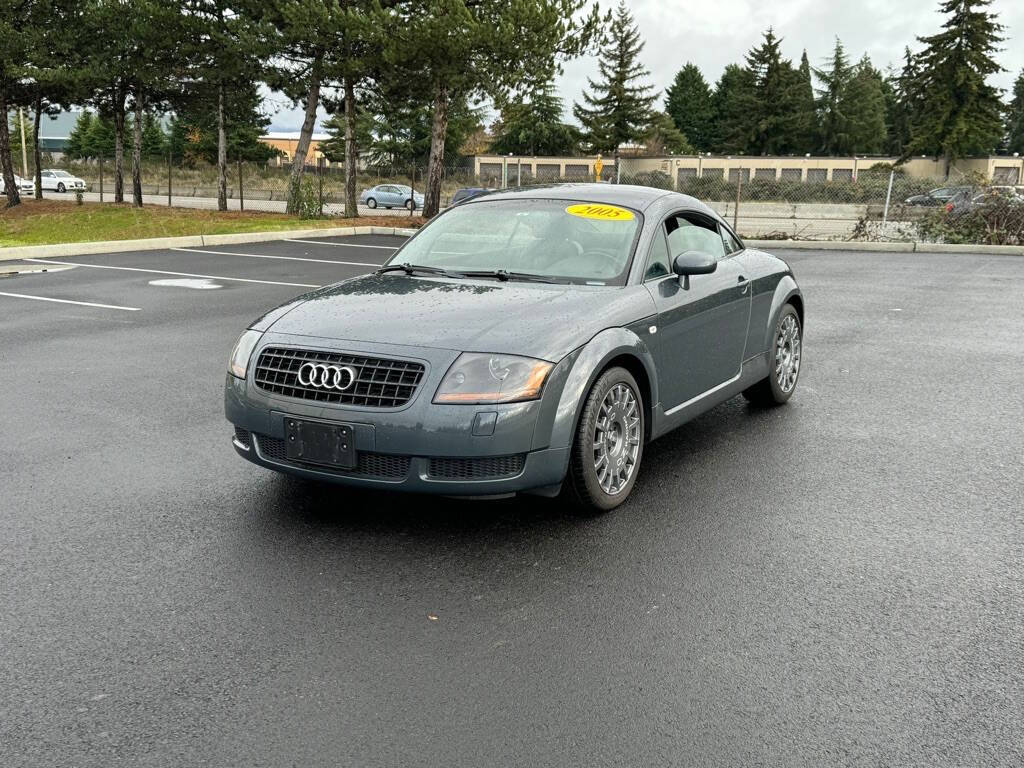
{"x": 888, "y": 195}
{"x": 101, "y": 178}
{"x": 241, "y": 191}
{"x": 736, "y": 210}
{"x": 320, "y": 183}
{"x": 412, "y": 189}
{"x": 169, "y": 173}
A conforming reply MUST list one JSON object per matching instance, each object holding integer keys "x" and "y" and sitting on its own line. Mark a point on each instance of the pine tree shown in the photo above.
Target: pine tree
{"x": 804, "y": 130}
{"x": 734, "y": 128}
{"x": 863, "y": 101}
{"x": 901, "y": 105}
{"x": 835, "y": 127}
{"x": 689, "y": 103}
{"x": 534, "y": 126}
{"x": 154, "y": 140}
{"x": 960, "y": 113}
{"x": 76, "y": 145}
{"x": 664, "y": 138}
{"x": 774, "y": 97}
{"x": 617, "y": 109}
{"x": 1015, "y": 117}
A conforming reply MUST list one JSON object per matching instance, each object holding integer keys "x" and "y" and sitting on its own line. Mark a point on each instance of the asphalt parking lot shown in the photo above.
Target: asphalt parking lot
{"x": 836, "y": 582}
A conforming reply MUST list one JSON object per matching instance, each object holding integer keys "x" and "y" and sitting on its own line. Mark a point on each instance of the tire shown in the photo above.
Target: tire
{"x": 371, "y": 203}
{"x": 590, "y": 489}
{"x": 61, "y": 188}
{"x": 786, "y": 352}
{"x": 410, "y": 205}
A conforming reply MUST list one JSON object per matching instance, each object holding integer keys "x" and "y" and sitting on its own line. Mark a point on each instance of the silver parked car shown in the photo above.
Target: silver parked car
{"x": 61, "y": 181}
{"x": 391, "y": 196}
{"x": 25, "y": 186}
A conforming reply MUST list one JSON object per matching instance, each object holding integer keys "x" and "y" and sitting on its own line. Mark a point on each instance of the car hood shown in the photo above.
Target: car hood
{"x": 536, "y": 319}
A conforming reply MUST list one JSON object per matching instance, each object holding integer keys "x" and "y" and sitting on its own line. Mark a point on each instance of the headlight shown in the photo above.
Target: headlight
{"x": 242, "y": 352}
{"x": 477, "y": 378}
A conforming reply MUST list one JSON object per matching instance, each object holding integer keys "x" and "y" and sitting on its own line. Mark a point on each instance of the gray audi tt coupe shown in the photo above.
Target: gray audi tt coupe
{"x": 524, "y": 341}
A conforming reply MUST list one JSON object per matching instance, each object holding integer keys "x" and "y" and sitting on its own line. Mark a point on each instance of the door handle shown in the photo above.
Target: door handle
{"x": 744, "y": 283}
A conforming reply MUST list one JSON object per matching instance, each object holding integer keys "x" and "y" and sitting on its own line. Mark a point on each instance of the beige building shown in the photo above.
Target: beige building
{"x": 511, "y": 171}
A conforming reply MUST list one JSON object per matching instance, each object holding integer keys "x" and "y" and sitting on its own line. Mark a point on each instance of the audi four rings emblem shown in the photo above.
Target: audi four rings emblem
{"x": 321, "y": 376}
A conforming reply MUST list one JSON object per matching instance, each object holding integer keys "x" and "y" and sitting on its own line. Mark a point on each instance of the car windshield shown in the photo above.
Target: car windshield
{"x": 576, "y": 242}
{"x": 62, "y": 174}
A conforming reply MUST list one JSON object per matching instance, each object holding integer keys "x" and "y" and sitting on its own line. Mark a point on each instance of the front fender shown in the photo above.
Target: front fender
{"x": 591, "y": 359}
{"x": 784, "y": 291}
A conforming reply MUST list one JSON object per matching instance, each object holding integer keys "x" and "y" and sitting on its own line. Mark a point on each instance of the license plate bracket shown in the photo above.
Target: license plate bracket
{"x": 316, "y": 442}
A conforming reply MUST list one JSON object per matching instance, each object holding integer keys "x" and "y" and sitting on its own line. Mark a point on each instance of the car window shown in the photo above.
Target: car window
{"x": 732, "y": 245}
{"x": 689, "y": 232}
{"x": 658, "y": 264}
{"x": 47, "y": 174}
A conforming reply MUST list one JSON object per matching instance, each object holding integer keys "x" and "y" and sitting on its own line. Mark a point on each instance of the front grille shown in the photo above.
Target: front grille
{"x": 487, "y": 467}
{"x": 381, "y": 382}
{"x": 242, "y": 436}
{"x": 383, "y": 465}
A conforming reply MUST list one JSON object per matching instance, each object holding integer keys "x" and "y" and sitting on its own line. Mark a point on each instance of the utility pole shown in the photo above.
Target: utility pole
{"x": 24, "y": 149}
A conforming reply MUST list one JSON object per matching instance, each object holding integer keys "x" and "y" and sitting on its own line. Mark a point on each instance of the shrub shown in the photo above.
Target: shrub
{"x": 998, "y": 220}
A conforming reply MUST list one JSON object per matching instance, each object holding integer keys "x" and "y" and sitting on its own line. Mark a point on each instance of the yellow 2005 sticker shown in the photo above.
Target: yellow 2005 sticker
{"x": 601, "y": 212}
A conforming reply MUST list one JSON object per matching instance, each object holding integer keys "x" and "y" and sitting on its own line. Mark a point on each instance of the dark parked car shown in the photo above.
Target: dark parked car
{"x": 939, "y": 196}
{"x": 523, "y": 341}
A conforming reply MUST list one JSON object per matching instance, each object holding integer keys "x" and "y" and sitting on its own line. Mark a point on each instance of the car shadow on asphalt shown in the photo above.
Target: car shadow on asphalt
{"x": 667, "y": 465}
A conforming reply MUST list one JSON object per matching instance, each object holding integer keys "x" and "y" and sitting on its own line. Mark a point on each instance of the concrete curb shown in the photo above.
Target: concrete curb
{"x": 187, "y": 241}
{"x": 857, "y": 245}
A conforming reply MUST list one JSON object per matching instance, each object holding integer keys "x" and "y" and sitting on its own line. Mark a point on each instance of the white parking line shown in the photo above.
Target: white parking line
{"x": 69, "y": 301}
{"x": 176, "y": 274}
{"x": 344, "y": 245}
{"x": 284, "y": 258}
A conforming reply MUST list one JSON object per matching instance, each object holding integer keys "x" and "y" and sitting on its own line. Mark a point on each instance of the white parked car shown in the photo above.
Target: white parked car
{"x": 61, "y": 181}
{"x": 25, "y": 186}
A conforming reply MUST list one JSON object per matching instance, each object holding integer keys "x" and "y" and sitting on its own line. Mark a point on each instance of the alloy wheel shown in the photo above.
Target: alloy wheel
{"x": 617, "y": 438}
{"x": 787, "y": 353}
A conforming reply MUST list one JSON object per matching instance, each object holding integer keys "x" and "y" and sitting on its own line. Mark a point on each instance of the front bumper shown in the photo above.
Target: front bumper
{"x": 421, "y": 446}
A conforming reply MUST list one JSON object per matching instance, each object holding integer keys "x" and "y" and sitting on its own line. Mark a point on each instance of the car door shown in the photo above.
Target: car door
{"x": 391, "y": 195}
{"x": 702, "y": 321}
{"x": 47, "y": 180}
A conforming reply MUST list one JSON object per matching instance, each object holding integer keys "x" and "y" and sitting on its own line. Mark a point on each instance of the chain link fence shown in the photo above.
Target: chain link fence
{"x": 873, "y": 205}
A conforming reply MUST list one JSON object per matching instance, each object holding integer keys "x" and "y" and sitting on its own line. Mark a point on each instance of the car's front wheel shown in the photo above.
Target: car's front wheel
{"x": 61, "y": 188}
{"x": 371, "y": 203}
{"x": 786, "y": 353}
{"x": 410, "y": 205}
{"x": 609, "y": 443}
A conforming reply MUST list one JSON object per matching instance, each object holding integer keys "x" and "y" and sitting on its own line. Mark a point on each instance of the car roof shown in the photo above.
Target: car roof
{"x": 628, "y": 195}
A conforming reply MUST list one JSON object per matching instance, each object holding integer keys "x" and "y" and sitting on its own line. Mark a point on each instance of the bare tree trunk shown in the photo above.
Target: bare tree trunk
{"x": 37, "y": 155}
{"x": 137, "y": 151}
{"x": 6, "y": 161}
{"x": 438, "y": 131}
{"x": 222, "y": 153}
{"x": 351, "y": 156}
{"x": 119, "y": 97}
{"x": 299, "y": 161}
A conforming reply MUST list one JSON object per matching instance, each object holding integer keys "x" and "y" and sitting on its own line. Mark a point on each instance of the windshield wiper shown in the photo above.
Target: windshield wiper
{"x": 504, "y": 276}
{"x": 410, "y": 269}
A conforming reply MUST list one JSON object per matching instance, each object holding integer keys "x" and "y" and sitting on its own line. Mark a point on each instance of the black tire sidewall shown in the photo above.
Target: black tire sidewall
{"x": 371, "y": 203}
{"x": 586, "y": 488}
{"x": 410, "y": 205}
{"x": 61, "y": 188}
{"x": 777, "y": 394}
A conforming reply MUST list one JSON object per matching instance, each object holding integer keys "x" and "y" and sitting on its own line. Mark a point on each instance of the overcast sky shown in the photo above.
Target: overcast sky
{"x": 712, "y": 35}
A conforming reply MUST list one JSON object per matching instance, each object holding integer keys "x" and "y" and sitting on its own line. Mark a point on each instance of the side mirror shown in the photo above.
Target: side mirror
{"x": 694, "y": 263}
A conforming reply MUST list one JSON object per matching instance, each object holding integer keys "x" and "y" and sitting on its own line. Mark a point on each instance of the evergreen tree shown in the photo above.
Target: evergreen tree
{"x": 904, "y": 105}
{"x": 689, "y": 103}
{"x": 834, "y": 123}
{"x": 617, "y": 109}
{"x": 1015, "y": 117}
{"x": 734, "y": 128}
{"x": 774, "y": 99}
{"x": 863, "y": 101}
{"x": 78, "y": 137}
{"x": 960, "y": 113}
{"x": 154, "y": 141}
{"x": 194, "y": 129}
{"x": 804, "y": 130}
{"x": 534, "y": 126}
{"x": 664, "y": 138}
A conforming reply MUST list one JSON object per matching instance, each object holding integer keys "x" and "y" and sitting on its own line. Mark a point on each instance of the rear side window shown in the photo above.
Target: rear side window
{"x": 688, "y": 232}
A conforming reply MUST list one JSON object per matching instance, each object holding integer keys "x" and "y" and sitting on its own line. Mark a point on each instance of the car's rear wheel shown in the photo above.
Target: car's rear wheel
{"x": 61, "y": 188}
{"x": 786, "y": 352}
{"x": 371, "y": 203}
{"x": 410, "y": 205}
{"x": 609, "y": 443}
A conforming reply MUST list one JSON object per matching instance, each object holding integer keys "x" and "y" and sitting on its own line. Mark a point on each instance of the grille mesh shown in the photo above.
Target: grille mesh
{"x": 476, "y": 469}
{"x": 368, "y": 464}
{"x": 381, "y": 382}
{"x": 242, "y": 436}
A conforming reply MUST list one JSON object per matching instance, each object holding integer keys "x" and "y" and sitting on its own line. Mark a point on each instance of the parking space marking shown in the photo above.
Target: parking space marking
{"x": 178, "y": 274}
{"x": 69, "y": 301}
{"x": 284, "y": 258}
{"x": 343, "y": 245}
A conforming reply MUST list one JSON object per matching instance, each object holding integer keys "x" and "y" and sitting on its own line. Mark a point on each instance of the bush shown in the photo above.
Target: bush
{"x": 306, "y": 200}
{"x": 998, "y": 220}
